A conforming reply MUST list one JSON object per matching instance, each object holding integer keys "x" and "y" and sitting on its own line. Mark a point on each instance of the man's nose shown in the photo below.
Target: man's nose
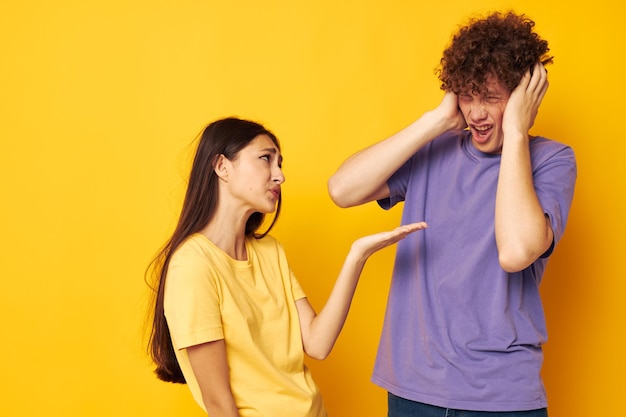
{"x": 478, "y": 111}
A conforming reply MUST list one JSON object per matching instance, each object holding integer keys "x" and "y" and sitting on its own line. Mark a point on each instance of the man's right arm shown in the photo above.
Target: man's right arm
{"x": 363, "y": 177}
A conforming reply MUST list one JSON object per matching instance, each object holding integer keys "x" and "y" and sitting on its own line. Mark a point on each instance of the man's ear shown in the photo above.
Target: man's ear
{"x": 221, "y": 166}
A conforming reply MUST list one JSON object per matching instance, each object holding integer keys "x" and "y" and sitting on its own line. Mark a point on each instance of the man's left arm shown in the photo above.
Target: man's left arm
{"x": 523, "y": 231}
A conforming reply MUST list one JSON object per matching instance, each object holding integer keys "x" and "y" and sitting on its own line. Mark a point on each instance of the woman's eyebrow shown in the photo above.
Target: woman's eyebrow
{"x": 273, "y": 151}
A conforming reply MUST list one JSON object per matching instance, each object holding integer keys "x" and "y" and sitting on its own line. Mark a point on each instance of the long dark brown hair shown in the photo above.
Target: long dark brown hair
{"x": 223, "y": 137}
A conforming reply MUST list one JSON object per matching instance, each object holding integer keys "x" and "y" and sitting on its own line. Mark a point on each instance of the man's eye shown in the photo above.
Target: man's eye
{"x": 493, "y": 100}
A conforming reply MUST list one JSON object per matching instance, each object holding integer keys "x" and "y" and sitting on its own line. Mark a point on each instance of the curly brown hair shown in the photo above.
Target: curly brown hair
{"x": 501, "y": 45}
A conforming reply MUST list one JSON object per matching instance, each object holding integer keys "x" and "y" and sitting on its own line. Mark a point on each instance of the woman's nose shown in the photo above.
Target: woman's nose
{"x": 278, "y": 176}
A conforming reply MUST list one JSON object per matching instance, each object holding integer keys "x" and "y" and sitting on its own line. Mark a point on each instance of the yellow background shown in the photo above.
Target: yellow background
{"x": 100, "y": 103}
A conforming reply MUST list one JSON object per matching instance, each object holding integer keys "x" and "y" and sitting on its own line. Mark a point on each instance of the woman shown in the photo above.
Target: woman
{"x": 230, "y": 318}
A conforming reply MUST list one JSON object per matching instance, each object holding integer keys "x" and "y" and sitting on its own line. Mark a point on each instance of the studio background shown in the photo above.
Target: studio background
{"x": 101, "y": 102}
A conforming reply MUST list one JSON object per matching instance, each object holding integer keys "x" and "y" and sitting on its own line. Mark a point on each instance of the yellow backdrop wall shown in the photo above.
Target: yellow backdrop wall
{"x": 100, "y": 103}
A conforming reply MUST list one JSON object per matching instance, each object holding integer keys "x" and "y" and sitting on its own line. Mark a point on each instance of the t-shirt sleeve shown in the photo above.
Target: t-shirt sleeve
{"x": 398, "y": 184}
{"x": 296, "y": 288}
{"x": 554, "y": 181}
{"x": 289, "y": 278}
{"x": 192, "y": 302}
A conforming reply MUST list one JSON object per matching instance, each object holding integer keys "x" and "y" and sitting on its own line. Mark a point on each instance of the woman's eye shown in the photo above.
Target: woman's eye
{"x": 266, "y": 158}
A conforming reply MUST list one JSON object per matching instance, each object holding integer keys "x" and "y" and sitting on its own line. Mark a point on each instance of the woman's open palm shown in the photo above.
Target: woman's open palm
{"x": 370, "y": 244}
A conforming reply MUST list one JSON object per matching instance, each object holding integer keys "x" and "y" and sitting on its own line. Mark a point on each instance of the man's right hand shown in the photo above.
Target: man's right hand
{"x": 449, "y": 112}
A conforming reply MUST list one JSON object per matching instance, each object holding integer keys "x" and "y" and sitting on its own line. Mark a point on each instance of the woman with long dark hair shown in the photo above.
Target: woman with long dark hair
{"x": 230, "y": 318}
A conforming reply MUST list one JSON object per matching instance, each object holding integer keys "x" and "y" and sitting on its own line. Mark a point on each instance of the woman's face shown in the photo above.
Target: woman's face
{"x": 255, "y": 175}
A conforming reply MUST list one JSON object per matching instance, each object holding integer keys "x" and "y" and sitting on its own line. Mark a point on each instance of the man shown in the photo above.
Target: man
{"x": 464, "y": 325}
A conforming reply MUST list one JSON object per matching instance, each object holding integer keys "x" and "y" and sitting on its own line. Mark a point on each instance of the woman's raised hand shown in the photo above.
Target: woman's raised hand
{"x": 368, "y": 245}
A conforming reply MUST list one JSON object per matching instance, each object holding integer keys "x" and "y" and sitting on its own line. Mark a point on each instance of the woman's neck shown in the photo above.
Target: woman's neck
{"x": 228, "y": 233}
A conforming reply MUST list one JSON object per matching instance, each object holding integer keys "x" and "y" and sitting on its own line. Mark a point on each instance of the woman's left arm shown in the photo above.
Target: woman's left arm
{"x": 320, "y": 331}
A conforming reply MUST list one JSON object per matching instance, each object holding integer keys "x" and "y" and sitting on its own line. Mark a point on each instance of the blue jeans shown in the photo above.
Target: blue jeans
{"x": 400, "y": 407}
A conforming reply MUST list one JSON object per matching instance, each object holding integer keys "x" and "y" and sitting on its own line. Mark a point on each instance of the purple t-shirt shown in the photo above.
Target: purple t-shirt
{"x": 459, "y": 331}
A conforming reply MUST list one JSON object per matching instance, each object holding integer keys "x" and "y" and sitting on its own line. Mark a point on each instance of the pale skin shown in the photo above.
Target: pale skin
{"x": 499, "y": 122}
{"x": 251, "y": 183}
{"x": 523, "y": 231}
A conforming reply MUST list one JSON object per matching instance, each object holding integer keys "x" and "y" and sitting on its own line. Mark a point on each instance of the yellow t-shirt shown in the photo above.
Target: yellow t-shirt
{"x": 251, "y": 305}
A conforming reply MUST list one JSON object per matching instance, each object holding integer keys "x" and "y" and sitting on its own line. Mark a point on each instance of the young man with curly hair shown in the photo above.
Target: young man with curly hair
{"x": 464, "y": 326}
